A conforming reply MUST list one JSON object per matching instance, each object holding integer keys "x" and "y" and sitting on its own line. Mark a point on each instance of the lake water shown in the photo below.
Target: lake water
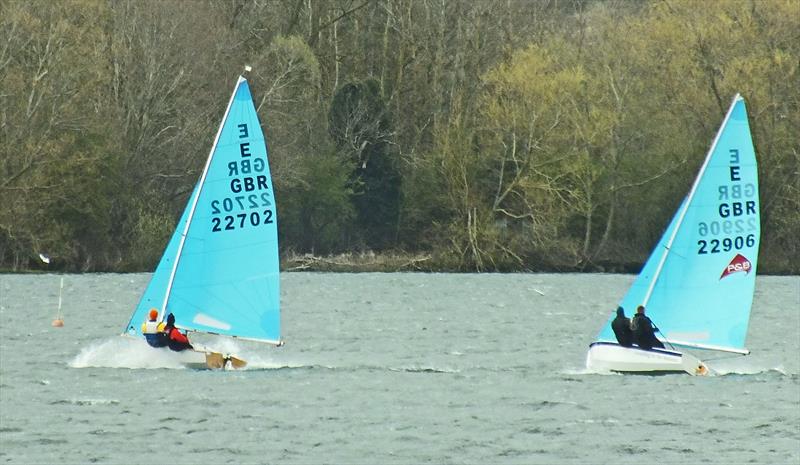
{"x": 389, "y": 369}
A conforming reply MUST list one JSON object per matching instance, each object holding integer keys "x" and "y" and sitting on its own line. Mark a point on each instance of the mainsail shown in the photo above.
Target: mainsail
{"x": 220, "y": 271}
{"x": 698, "y": 283}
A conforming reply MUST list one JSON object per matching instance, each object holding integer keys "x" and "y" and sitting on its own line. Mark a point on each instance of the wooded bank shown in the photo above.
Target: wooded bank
{"x": 484, "y": 135}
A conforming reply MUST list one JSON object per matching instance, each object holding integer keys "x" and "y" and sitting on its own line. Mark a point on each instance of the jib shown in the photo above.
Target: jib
{"x": 737, "y": 209}
{"x": 248, "y": 184}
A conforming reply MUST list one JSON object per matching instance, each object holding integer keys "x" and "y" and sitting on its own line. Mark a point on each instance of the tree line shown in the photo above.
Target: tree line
{"x": 483, "y": 134}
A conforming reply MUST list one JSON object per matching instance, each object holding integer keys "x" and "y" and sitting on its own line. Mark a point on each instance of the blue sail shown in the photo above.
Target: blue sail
{"x": 697, "y": 286}
{"x": 153, "y": 296}
{"x": 220, "y": 271}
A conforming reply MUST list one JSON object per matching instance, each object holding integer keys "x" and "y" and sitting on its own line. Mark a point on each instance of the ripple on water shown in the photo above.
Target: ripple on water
{"x": 480, "y": 385}
{"x": 84, "y": 402}
{"x": 552, "y": 404}
{"x": 50, "y": 441}
{"x": 632, "y": 450}
{"x": 549, "y": 432}
{"x": 230, "y": 451}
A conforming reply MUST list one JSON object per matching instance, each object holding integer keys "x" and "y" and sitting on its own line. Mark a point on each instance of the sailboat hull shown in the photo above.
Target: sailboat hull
{"x": 202, "y": 358}
{"x": 191, "y": 359}
{"x": 208, "y": 360}
{"x": 609, "y": 356}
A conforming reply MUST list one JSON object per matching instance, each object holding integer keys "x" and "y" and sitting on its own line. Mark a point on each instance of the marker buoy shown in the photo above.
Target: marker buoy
{"x": 58, "y": 322}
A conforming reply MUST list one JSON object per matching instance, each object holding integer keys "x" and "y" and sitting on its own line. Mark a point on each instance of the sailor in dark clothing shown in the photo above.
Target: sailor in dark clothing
{"x": 644, "y": 331}
{"x": 177, "y": 340}
{"x": 622, "y": 328}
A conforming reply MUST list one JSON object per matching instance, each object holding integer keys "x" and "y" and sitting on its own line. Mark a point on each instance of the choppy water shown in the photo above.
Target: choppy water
{"x": 388, "y": 368}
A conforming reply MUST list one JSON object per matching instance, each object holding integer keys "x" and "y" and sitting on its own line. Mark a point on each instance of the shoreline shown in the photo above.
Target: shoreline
{"x": 393, "y": 262}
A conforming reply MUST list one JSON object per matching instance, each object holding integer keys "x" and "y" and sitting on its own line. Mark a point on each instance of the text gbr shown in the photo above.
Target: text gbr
{"x": 251, "y": 204}
{"x": 737, "y": 208}
{"x": 248, "y": 183}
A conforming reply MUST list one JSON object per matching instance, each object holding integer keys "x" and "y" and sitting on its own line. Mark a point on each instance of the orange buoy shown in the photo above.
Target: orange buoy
{"x": 58, "y": 322}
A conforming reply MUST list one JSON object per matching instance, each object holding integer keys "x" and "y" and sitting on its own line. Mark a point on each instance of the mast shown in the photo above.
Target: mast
{"x": 193, "y": 206}
{"x": 687, "y": 203}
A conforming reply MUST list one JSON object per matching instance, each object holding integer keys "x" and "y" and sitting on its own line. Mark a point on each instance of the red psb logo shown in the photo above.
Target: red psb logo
{"x": 739, "y": 263}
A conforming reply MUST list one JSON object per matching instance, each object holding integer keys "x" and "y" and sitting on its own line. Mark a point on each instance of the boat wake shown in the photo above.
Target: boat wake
{"x": 123, "y": 352}
{"x": 752, "y": 370}
{"x": 126, "y": 352}
{"x": 261, "y": 362}
{"x": 588, "y": 371}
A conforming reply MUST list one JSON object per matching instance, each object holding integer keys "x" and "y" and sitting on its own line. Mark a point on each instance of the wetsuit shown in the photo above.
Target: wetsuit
{"x": 643, "y": 334}
{"x": 622, "y": 329}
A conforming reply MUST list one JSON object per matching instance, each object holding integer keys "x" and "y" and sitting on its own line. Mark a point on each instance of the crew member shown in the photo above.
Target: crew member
{"x": 644, "y": 330}
{"x": 177, "y": 340}
{"x": 622, "y": 328}
{"x": 153, "y": 330}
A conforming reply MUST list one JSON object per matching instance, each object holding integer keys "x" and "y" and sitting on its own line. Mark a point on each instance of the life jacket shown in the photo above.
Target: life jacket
{"x": 152, "y": 327}
{"x": 154, "y": 334}
{"x": 177, "y": 341}
{"x": 176, "y": 335}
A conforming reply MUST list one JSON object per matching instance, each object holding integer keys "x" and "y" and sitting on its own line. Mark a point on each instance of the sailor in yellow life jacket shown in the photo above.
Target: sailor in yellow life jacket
{"x": 153, "y": 330}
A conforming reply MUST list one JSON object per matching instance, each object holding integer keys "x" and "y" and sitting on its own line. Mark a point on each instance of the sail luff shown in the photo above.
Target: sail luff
{"x": 195, "y": 199}
{"x": 688, "y": 202}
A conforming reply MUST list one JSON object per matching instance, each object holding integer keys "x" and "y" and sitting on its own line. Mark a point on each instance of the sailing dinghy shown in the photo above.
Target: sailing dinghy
{"x": 219, "y": 273}
{"x": 697, "y": 285}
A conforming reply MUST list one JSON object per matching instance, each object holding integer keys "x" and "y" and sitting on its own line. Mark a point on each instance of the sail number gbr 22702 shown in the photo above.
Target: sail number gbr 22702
{"x": 257, "y": 214}
{"x": 248, "y": 205}
{"x": 738, "y": 218}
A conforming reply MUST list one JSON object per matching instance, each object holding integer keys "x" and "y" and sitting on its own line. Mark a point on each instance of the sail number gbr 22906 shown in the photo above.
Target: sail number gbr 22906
{"x": 248, "y": 206}
{"x": 738, "y": 219}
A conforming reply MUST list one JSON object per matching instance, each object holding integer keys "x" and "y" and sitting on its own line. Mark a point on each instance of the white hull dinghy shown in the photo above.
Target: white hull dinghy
{"x": 697, "y": 285}
{"x": 610, "y": 356}
{"x": 219, "y": 274}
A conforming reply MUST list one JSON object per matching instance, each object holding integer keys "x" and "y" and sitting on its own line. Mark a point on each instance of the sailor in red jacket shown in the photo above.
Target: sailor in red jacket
{"x": 177, "y": 340}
